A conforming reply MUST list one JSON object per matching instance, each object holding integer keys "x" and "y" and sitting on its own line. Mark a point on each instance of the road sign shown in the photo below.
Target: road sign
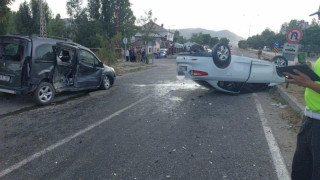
{"x": 294, "y": 35}
{"x": 276, "y": 44}
{"x": 290, "y": 48}
{"x": 275, "y": 49}
{"x": 125, "y": 40}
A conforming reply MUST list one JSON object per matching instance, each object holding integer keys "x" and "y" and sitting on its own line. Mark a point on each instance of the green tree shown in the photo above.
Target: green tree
{"x": 74, "y": 8}
{"x": 148, "y": 25}
{"x": 255, "y": 42}
{"x": 206, "y": 38}
{"x": 243, "y": 44}
{"x": 268, "y": 37}
{"x": 23, "y": 19}
{"x": 113, "y": 15}
{"x": 179, "y": 39}
{"x": 57, "y": 27}
{"x": 84, "y": 35}
{"x": 285, "y": 27}
{"x": 214, "y": 41}
{"x": 5, "y": 16}
{"x": 224, "y": 40}
{"x": 107, "y": 51}
{"x": 197, "y": 38}
{"x": 27, "y": 19}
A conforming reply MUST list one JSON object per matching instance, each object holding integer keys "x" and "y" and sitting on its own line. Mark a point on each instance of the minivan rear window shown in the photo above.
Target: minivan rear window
{"x": 12, "y": 49}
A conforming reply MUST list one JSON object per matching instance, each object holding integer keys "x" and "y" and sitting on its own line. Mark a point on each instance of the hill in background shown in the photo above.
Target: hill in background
{"x": 187, "y": 33}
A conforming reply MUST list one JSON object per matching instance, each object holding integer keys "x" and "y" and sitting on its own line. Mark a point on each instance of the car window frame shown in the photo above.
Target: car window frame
{"x": 87, "y": 64}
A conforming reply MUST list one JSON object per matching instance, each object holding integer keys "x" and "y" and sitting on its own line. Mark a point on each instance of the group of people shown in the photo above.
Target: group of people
{"x": 134, "y": 55}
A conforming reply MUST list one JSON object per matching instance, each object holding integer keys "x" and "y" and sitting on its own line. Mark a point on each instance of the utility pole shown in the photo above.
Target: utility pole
{"x": 43, "y": 30}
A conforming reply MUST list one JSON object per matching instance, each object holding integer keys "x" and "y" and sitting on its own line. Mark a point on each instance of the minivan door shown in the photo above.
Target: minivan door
{"x": 13, "y": 70}
{"x": 64, "y": 73}
{"x": 88, "y": 74}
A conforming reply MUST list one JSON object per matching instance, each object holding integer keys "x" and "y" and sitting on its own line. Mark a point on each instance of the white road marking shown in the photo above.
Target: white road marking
{"x": 277, "y": 158}
{"x": 64, "y": 141}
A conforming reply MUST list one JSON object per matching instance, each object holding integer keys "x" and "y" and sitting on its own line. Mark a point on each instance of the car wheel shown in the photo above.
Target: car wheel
{"x": 106, "y": 82}
{"x": 280, "y": 61}
{"x": 221, "y": 55}
{"x": 44, "y": 93}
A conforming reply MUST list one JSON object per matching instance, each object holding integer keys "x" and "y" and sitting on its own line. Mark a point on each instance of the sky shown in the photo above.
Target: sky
{"x": 242, "y": 17}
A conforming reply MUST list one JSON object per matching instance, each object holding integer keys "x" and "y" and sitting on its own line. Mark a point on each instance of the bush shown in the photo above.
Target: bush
{"x": 107, "y": 52}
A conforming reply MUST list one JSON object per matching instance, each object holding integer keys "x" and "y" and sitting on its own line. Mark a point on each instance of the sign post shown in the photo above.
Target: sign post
{"x": 125, "y": 41}
{"x": 294, "y": 35}
{"x": 276, "y": 48}
{"x": 290, "y": 49}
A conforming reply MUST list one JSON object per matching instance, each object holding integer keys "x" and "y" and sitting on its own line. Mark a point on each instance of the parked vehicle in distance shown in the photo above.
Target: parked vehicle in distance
{"x": 266, "y": 48}
{"x": 43, "y": 67}
{"x": 231, "y": 74}
{"x": 162, "y": 53}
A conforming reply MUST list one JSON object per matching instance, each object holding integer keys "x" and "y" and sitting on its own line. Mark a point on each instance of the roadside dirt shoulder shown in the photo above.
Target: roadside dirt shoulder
{"x": 283, "y": 121}
{"x": 123, "y": 67}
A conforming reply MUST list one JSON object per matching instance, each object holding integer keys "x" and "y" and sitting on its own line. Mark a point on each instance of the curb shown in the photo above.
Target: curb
{"x": 292, "y": 101}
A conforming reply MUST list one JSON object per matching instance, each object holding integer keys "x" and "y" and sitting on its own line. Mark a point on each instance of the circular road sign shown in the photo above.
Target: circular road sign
{"x": 294, "y": 35}
{"x": 125, "y": 40}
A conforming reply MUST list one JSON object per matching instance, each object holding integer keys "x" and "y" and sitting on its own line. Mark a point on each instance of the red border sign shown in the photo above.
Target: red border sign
{"x": 294, "y": 35}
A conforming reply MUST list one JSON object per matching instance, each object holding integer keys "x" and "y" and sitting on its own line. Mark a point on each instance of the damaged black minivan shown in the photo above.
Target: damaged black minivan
{"x": 43, "y": 67}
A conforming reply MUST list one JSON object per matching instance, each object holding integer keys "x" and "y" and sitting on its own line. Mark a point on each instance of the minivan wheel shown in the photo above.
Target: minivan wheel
{"x": 106, "y": 82}
{"x": 44, "y": 93}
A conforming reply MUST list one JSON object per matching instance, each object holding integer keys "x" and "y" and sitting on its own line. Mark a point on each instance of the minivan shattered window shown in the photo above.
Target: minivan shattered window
{"x": 11, "y": 50}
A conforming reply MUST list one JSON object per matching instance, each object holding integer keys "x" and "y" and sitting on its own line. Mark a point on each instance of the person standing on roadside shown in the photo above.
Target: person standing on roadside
{"x": 259, "y": 53}
{"x": 131, "y": 54}
{"x": 138, "y": 55}
{"x": 127, "y": 55}
{"x": 143, "y": 55}
{"x": 306, "y": 160}
{"x": 134, "y": 54}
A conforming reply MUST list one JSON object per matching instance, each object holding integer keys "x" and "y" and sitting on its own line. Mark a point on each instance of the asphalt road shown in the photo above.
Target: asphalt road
{"x": 150, "y": 125}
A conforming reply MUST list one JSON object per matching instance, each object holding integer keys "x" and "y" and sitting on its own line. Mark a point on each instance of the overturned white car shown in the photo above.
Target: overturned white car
{"x": 231, "y": 74}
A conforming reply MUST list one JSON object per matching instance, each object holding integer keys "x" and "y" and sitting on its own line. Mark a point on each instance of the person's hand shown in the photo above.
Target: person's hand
{"x": 301, "y": 79}
{"x": 309, "y": 64}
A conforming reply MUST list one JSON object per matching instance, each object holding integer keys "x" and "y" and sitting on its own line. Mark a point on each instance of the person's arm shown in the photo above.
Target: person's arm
{"x": 302, "y": 80}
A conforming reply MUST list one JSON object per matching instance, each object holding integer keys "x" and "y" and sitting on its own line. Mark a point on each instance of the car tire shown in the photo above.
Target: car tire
{"x": 221, "y": 55}
{"x": 44, "y": 94}
{"x": 106, "y": 82}
{"x": 279, "y": 61}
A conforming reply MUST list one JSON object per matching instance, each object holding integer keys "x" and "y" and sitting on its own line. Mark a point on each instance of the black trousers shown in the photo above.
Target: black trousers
{"x": 306, "y": 160}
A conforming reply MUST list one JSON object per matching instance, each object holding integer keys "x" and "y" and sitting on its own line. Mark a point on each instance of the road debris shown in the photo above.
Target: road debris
{"x": 281, "y": 106}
